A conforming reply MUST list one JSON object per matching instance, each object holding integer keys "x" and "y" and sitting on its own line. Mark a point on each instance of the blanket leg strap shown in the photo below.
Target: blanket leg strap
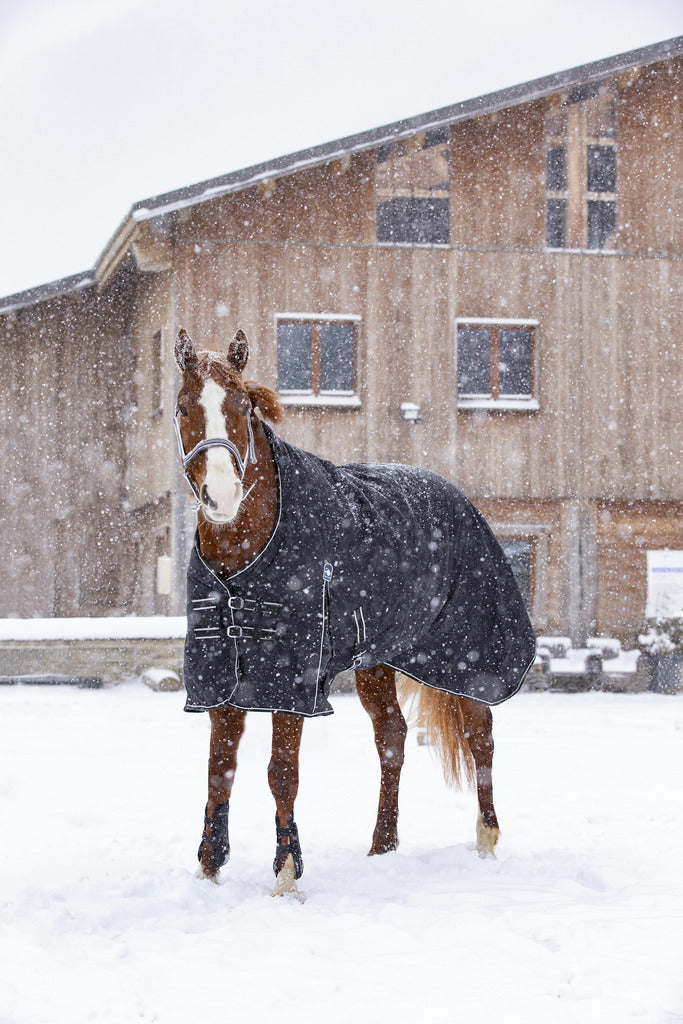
{"x": 216, "y": 837}
{"x": 293, "y": 847}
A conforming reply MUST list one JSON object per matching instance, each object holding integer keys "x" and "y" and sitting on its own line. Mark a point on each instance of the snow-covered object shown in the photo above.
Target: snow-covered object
{"x": 557, "y": 656}
{"x": 609, "y": 647}
{"x": 663, "y": 636}
{"x": 161, "y": 679}
{"x": 556, "y": 646}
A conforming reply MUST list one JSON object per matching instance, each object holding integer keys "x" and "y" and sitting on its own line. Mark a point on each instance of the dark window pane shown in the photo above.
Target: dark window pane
{"x": 294, "y": 356}
{"x": 602, "y": 219}
{"x": 413, "y": 219}
{"x": 384, "y": 152}
{"x": 556, "y": 224}
{"x": 585, "y": 91}
{"x": 556, "y": 169}
{"x": 515, "y": 362}
{"x": 474, "y": 361}
{"x": 336, "y": 357}
{"x": 518, "y": 554}
{"x": 435, "y": 137}
{"x": 602, "y": 169}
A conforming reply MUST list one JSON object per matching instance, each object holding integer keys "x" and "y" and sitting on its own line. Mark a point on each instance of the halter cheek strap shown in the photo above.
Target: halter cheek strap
{"x": 217, "y": 442}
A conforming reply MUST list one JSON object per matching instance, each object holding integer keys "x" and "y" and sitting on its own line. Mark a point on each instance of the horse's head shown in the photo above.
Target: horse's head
{"x": 214, "y": 422}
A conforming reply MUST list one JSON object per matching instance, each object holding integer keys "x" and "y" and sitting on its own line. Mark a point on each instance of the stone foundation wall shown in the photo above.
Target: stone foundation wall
{"x": 109, "y": 661}
{"x": 97, "y": 662}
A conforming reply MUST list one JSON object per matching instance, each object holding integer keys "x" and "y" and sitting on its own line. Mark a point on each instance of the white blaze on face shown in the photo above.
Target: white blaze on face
{"x": 222, "y": 484}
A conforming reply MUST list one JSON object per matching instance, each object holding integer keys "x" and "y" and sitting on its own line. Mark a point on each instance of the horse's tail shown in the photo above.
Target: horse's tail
{"x": 440, "y": 715}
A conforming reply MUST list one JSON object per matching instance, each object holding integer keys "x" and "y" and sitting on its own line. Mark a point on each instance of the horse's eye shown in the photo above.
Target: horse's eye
{"x": 182, "y": 410}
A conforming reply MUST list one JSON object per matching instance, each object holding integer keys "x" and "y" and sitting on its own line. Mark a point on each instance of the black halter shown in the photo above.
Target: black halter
{"x": 217, "y": 442}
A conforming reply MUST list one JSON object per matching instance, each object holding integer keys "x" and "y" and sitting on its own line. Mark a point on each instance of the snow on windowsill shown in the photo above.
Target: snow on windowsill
{"x": 500, "y": 405}
{"x": 324, "y": 401}
{"x": 150, "y": 627}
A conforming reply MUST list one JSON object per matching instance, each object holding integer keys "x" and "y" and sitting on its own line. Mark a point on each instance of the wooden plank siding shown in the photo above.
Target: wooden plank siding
{"x": 605, "y": 356}
{"x": 625, "y": 532}
{"x": 64, "y": 402}
{"x": 498, "y": 180}
{"x": 650, "y": 157}
{"x": 595, "y": 466}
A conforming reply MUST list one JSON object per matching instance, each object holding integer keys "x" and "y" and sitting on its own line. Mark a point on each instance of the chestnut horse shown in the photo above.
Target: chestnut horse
{"x": 230, "y": 465}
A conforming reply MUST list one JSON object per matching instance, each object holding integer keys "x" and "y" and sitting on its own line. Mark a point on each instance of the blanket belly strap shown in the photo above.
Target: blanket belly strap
{"x": 251, "y": 633}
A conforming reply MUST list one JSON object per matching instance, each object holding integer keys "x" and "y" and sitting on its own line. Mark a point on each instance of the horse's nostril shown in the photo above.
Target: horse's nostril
{"x": 206, "y": 499}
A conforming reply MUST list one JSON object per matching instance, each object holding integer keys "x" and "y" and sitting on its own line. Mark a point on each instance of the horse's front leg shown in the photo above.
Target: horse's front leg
{"x": 227, "y": 726}
{"x": 283, "y": 778}
{"x": 478, "y": 725}
{"x": 377, "y": 691}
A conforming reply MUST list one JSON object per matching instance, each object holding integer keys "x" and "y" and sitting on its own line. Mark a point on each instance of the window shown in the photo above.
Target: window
{"x": 157, "y": 374}
{"x": 519, "y": 554}
{"x": 495, "y": 364}
{"x": 411, "y": 188}
{"x": 317, "y": 359}
{"x": 581, "y": 168}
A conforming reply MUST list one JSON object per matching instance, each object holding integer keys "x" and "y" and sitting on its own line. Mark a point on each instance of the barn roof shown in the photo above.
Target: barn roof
{"x": 162, "y": 205}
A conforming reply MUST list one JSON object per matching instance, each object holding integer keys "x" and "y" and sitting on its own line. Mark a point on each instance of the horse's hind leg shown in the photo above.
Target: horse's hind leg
{"x": 377, "y": 691}
{"x": 283, "y": 778}
{"x": 227, "y": 726}
{"x": 478, "y": 725}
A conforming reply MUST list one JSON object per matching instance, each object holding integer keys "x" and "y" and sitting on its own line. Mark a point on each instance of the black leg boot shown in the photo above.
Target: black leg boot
{"x": 288, "y": 831}
{"x": 216, "y": 836}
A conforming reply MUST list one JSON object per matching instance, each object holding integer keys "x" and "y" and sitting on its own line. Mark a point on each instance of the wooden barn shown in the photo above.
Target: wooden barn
{"x": 493, "y": 290}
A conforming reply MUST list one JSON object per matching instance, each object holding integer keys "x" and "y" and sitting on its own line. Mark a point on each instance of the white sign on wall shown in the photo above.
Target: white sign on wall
{"x": 664, "y": 585}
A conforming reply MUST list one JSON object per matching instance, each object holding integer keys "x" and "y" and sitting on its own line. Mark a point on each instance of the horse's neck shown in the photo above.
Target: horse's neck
{"x": 231, "y": 547}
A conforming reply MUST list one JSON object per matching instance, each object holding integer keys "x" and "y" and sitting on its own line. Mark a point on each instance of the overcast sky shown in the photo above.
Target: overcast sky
{"x": 106, "y": 102}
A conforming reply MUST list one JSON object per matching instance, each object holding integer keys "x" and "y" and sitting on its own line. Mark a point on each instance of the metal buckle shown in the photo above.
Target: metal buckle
{"x": 251, "y": 633}
{"x": 242, "y": 604}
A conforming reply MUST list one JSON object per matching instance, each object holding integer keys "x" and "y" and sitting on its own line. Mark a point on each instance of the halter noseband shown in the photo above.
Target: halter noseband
{"x": 216, "y": 442}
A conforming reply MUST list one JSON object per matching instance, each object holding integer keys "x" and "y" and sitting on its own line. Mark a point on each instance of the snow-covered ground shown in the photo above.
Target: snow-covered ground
{"x": 103, "y": 920}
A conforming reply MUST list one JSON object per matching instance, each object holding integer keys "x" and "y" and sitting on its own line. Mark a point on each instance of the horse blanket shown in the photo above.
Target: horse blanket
{"x": 367, "y": 564}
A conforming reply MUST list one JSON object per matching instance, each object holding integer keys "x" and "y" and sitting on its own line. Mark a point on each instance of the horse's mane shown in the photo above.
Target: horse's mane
{"x": 263, "y": 398}
{"x": 266, "y": 400}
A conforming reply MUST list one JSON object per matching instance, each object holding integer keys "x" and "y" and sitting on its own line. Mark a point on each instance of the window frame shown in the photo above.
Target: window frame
{"x": 315, "y": 395}
{"x": 529, "y": 542}
{"x": 412, "y": 203}
{"x": 495, "y": 401}
{"x": 537, "y": 536}
{"x": 157, "y": 374}
{"x": 580, "y": 141}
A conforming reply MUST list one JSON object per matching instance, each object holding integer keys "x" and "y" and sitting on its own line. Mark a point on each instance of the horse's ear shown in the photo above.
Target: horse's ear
{"x": 185, "y": 352}
{"x": 238, "y": 352}
{"x": 265, "y": 400}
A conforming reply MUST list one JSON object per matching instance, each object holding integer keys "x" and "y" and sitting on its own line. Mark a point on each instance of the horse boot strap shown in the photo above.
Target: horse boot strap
{"x": 218, "y": 840}
{"x": 288, "y": 831}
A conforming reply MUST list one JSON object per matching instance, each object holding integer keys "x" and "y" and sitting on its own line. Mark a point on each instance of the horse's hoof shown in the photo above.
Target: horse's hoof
{"x": 286, "y": 879}
{"x": 487, "y": 837}
{"x": 207, "y": 876}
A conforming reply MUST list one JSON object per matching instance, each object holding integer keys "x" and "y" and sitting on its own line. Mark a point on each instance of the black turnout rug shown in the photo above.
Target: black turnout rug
{"x": 367, "y": 564}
